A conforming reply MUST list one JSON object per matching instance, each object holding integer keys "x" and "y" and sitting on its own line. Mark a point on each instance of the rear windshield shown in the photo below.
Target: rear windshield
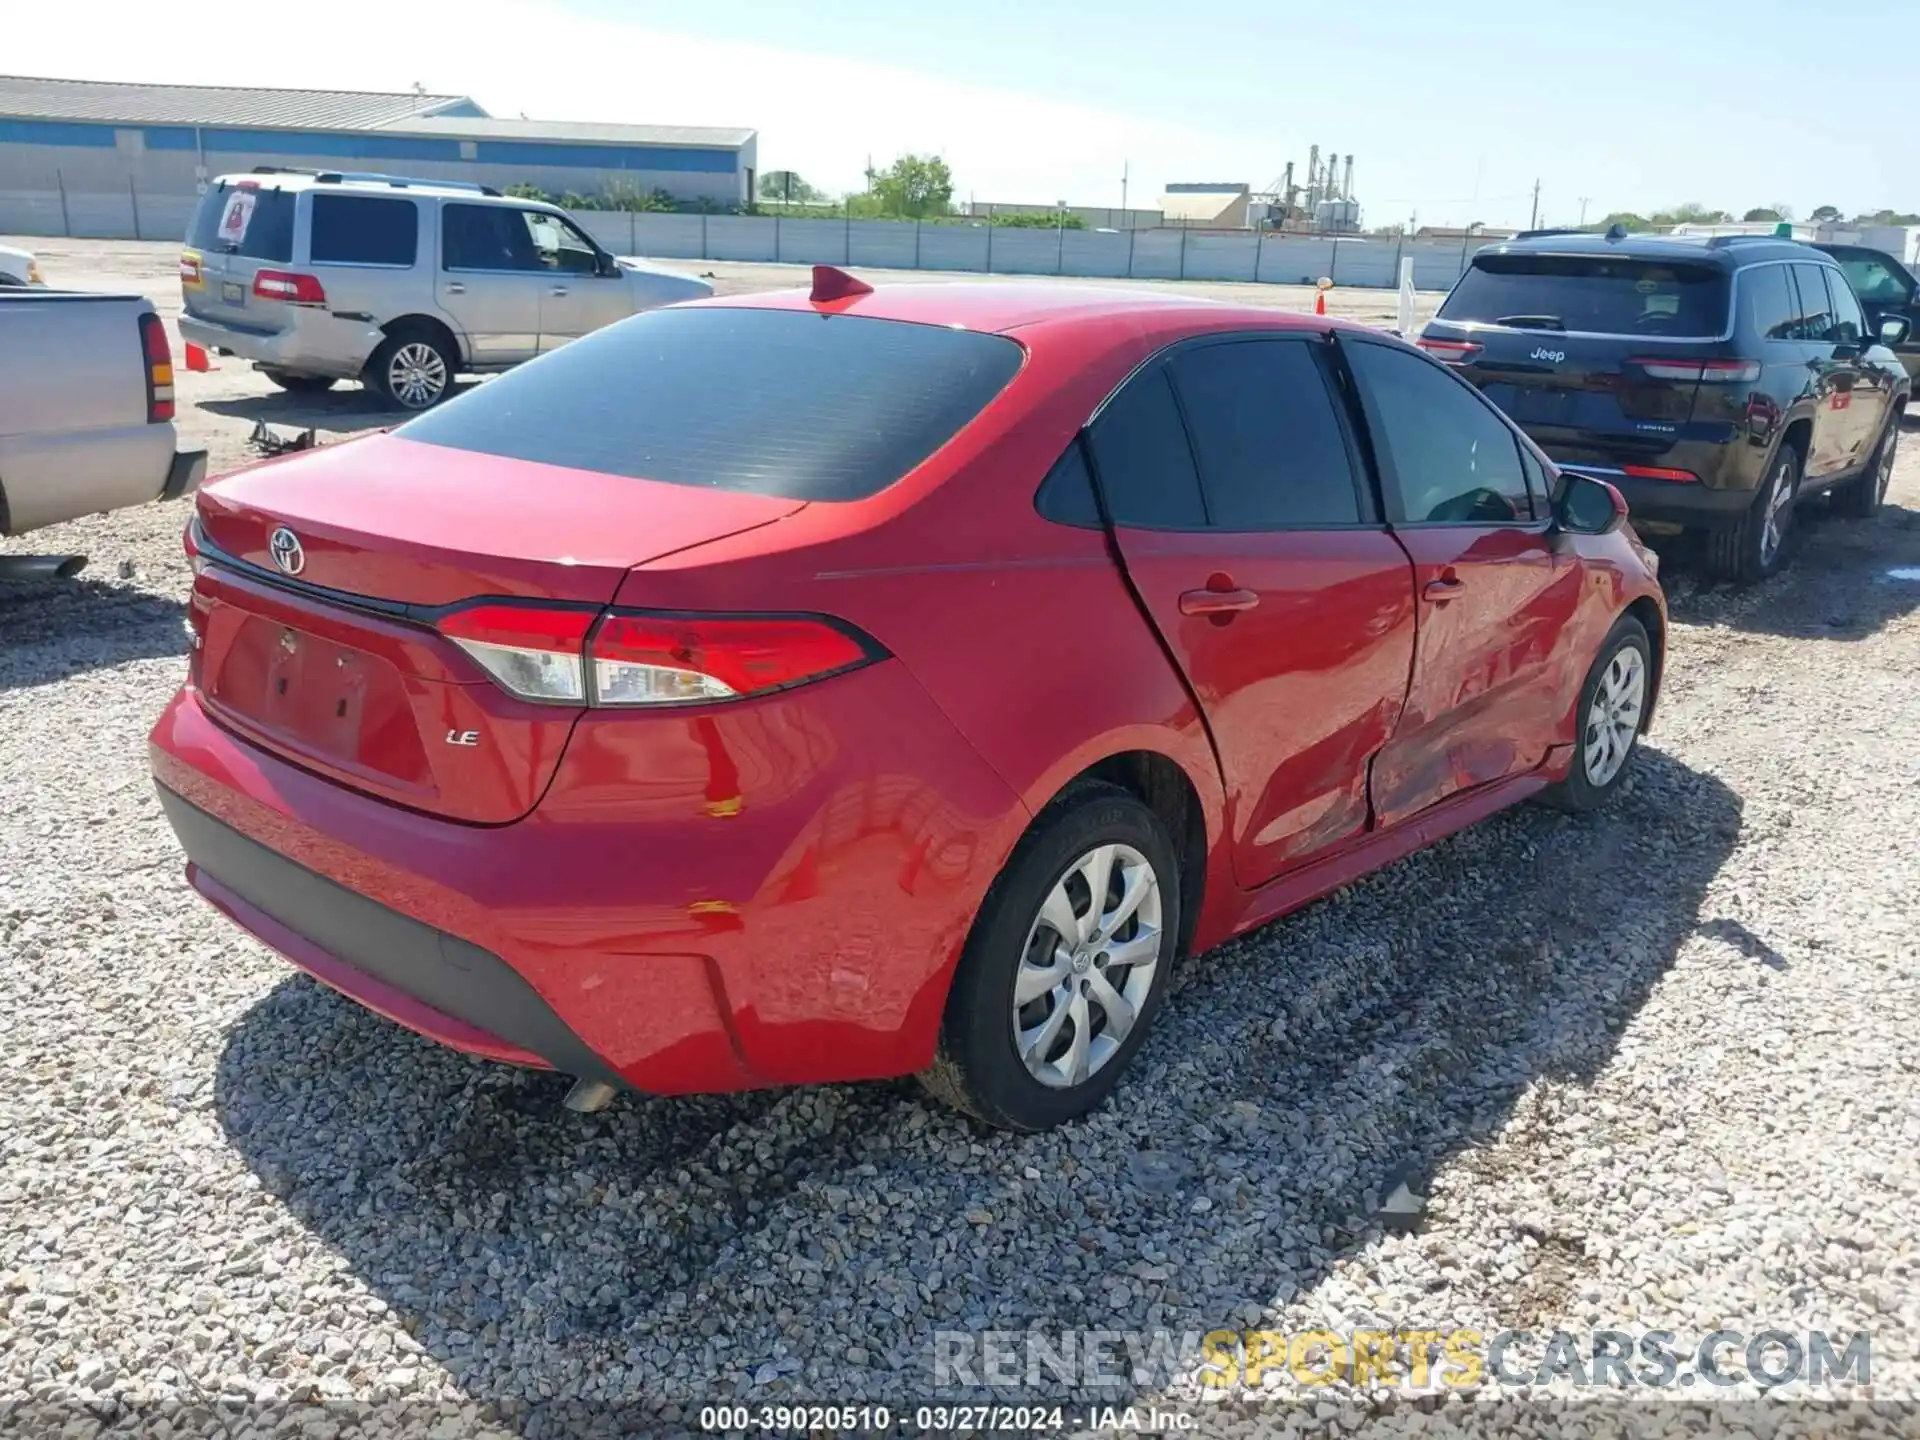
{"x": 774, "y": 402}
{"x": 256, "y": 224}
{"x": 1601, "y": 295}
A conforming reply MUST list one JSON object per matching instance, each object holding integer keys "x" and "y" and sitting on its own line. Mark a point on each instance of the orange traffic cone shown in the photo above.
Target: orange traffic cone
{"x": 197, "y": 358}
{"x": 1319, "y": 304}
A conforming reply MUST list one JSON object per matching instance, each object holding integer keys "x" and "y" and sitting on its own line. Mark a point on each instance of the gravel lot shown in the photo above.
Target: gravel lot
{"x": 1658, "y": 1068}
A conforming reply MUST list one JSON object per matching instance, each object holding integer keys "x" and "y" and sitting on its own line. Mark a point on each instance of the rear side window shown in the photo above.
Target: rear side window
{"x": 1816, "y": 309}
{"x": 363, "y": 230}
{"x": 256, "y": 224}
{"x": 772, "y": 402}
{"x": 1875, "y": 281}
{"x": 1770, "y": 302}
{"x": 1145, "y": 466}
{"x": 1599, "y": 294}
{"x": 1269, "y": 446}
{"x": 1848, "y": 323}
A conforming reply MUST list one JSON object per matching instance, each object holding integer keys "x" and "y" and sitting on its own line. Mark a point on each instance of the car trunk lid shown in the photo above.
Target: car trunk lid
{"x": 319, "y": 636}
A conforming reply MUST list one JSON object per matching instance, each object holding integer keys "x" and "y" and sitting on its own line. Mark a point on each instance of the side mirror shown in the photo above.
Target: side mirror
{"x": 1586, "y": 506}
{"x": 607, "y": 266}
{"x": 1894, "y": 329}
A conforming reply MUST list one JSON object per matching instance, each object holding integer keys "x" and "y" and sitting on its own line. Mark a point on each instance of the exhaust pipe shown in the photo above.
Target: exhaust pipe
{"x": 41, "y": 567}
{"x": 587, "y": 1096}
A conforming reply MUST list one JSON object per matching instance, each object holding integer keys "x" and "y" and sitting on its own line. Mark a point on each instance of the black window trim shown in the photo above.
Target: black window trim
{"x": 1360, "y": 461}
{"x": 1389, "y": 476}
{"x": 309, "y": 198}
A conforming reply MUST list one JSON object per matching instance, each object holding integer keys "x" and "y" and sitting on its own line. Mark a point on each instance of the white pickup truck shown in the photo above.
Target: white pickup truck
{"x": 86, "y": 410}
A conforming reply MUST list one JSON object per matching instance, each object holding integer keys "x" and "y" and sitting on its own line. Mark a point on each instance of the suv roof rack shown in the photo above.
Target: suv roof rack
{"x": 369, "y": 177}
{"x": 1720, "y": 242}
{"x": 1543, "y": 234}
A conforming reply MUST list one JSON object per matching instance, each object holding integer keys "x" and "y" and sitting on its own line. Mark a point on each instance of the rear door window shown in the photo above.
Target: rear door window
{"x": 1270, "y": 448}
{"x": 253, "y": 222}
{"x": 1875, "y": 281}
{"x": 1142, "y": 458}
{"x": 364, "y": 230}
{"x": 1600, "y": 295}
{"x": 1770, "y": 302}
{"x": 1849, "y": 324}
{"x": 771, "y": 402}
{"x": 1816, "y": 308}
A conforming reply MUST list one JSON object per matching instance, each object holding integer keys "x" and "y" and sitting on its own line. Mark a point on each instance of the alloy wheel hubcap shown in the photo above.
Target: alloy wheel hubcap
{"x": 416, "y": 375}
{"x": 1774, "y": 532}
{"x": 1613, "y": 719}
{"x": 1088, "y": 966}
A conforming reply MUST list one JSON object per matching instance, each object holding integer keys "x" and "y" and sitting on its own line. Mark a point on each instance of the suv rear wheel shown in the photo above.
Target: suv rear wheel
{"x": 1861, "y": 498}
{"x": 1756, "y": 547}
{"x": 300, "y": 384}
{"x": 413, "y": 368}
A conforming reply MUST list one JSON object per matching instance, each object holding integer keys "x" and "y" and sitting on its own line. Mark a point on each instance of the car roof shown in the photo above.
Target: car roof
{"x": 1728, "y": 252}
{"x": 998, "y": 307}
{"x": 368, "y": 183}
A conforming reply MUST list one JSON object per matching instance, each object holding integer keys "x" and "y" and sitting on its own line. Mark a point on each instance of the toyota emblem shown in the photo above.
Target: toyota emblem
{"x": 284, "y": 546}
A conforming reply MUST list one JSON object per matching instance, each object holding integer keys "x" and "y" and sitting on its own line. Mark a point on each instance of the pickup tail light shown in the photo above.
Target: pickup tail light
{"x": 631, "y": 659}
{"x": 157, "y": 356}
{"x": 1717, "y": 372}
{"x": 295, "y": 289}
{"x": 1452, "y": 352}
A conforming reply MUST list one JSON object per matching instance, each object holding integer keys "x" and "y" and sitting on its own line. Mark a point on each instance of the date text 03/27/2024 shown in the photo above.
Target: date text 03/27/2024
{"x": 943, "y": 1419}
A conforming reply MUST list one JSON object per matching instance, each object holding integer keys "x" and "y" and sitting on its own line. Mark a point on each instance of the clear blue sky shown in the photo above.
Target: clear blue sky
{"x": 1632, "y": 104}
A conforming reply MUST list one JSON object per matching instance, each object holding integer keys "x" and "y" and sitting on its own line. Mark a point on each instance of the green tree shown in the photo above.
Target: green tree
{"x": 1825, "y": 213}
{"x": 1627, "y": 221}
{"x": 1887, "y": 217}
{"x": 788, "y": 188}
{"x": 914, "y": 186}
{"x": 1762, "y": 213}
{"x": 1690, "y": 213}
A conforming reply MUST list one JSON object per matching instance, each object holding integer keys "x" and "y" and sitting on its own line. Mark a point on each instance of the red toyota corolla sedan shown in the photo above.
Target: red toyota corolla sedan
{"x": 799, "y": 687}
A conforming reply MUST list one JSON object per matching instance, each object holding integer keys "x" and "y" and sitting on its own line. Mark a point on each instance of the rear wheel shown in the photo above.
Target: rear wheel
{"x": 413, "y": 368}
{"x": 1065, "y": 966}
{"x": 300, "y": 384}
{"x": 1613, "y": 711}
{"x": 1861, "y": 498}
{"x": 1756, "y": 547}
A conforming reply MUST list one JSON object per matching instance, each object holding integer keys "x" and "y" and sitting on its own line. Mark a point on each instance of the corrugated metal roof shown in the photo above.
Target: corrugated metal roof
{"x": 573, "y": 132}
{"x": 24, "y": 97}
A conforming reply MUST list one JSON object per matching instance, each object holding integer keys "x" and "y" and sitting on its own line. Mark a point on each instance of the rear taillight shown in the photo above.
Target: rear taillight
{"x": 661, "y": 660}
{"x": 158, "y": 357}
{"x": 1662, "y": 367}
{"x": 1453, "y": 352}
{"x": 191, "y": 272}
{"x": 1660, "y": 472}
{"x": 534, "y": 652}
{"x": 286, "y": 285}
{"x": 190, "y": 542}
{"x": 635, "y": 658}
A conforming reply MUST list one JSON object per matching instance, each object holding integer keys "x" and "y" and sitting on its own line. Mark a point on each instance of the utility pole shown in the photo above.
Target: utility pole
{"x": 1534, "y": 223}
{"x": 1583, "y": 211}
{"x": 1125, "y": 167}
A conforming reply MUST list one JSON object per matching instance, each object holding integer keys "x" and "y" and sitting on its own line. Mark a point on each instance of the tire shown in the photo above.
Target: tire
{"x": 413, "y": 368}
{"x": 1612, "y": 713}
{"x": 1861, "y": 498}
{"x": 1757, "y": 546}
{"x": 978, "y": 1066}
{"x": 300, "y": 384}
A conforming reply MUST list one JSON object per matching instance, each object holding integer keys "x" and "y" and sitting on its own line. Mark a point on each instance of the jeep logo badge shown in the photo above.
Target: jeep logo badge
{"x": 1542, "y": 353}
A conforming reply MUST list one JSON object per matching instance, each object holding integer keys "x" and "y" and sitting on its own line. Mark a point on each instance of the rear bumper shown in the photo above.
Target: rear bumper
{"x": 771, "y": 895}
{"x": 185, "y": 475}
{"x": 314, "y": 342}
{"x": 54, "y": 477}
{"x": 1692, "y": 505}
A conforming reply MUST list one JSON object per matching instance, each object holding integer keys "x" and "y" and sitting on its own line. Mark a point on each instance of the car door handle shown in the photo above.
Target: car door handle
{"x": 1447, "y": 587}
{"x": 1217, "y": 602}
{"x": 454, "y": 287}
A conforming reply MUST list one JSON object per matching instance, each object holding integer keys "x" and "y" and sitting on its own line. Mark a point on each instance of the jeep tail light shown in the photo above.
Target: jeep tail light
{"x": 643, "y": 659}
{"x": 1453, "y": 352}
{"x": 158, "y": 357}
{"x": 569, "y": 655}
{"x": 1662, "y": 367}
{"x": 1660, "y": 472}
{"x": 286, "y": 285}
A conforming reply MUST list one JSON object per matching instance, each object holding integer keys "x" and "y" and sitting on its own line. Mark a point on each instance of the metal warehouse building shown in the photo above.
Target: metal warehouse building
{"x": 81, "y": 157}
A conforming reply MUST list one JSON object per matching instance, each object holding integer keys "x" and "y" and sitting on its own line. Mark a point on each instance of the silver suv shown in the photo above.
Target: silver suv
{"x": 318, "y": 276}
